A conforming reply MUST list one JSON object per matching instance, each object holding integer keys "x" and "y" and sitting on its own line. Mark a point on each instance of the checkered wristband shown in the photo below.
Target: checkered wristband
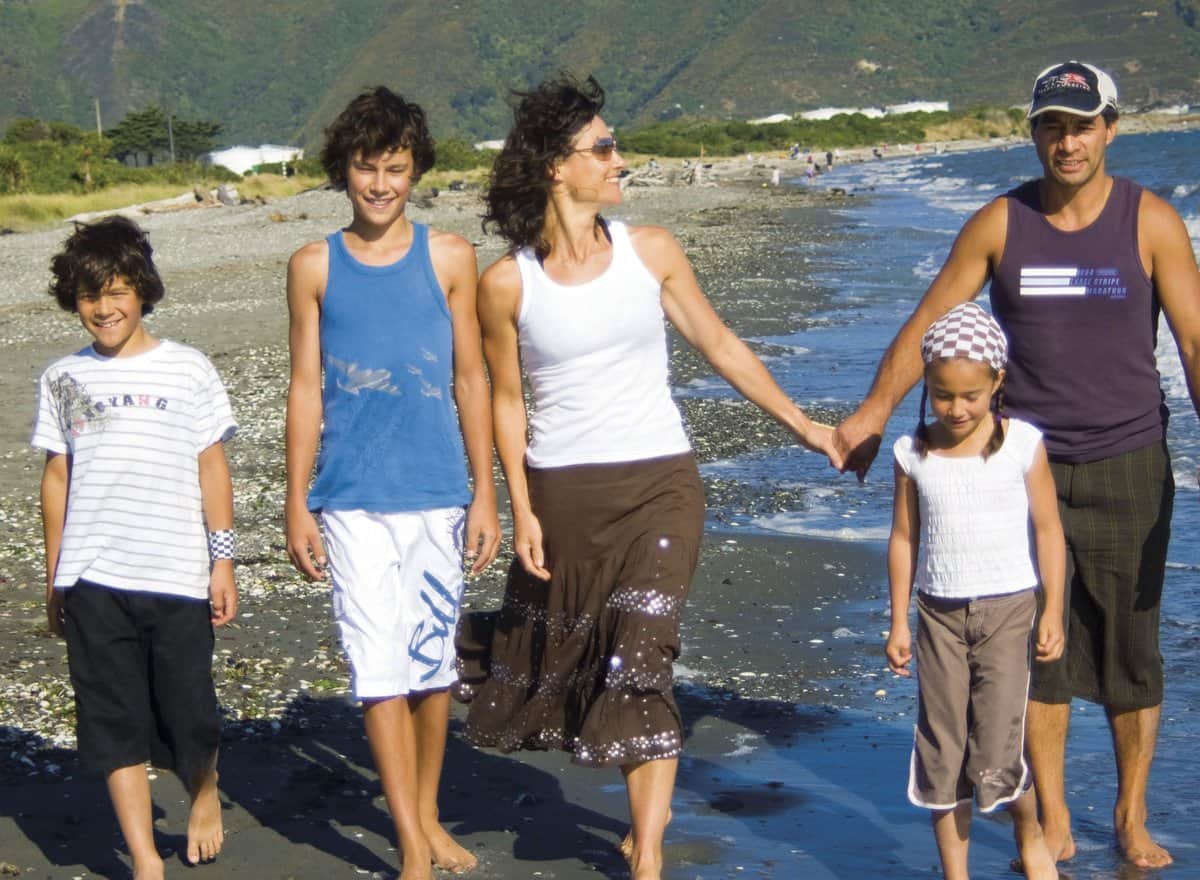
{"x": 221, "y": 544}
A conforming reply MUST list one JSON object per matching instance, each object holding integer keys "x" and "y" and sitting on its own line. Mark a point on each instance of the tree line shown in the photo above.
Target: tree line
{"x": 40, "y": 156}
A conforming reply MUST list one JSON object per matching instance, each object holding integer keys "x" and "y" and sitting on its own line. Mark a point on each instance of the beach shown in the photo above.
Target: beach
{"x": 301, "y": 798}
{"x": 797, "y": 737}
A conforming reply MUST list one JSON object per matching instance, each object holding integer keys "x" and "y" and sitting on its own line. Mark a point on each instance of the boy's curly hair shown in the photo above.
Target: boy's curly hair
{"x": 97, "y": 253}
{"x": 545, "y": 121}
{"x": 377, "y": 121}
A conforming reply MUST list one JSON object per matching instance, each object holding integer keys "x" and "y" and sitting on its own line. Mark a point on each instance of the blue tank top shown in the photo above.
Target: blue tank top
{"x": 391, "y": 440}
{"x": 1081, "y": 317}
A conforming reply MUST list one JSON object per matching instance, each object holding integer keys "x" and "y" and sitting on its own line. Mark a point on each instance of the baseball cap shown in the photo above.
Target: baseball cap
{"x": 1073, "y": 87}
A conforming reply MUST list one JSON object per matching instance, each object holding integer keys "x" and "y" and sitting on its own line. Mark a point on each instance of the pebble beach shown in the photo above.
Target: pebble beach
{"x": 788, "y": 771}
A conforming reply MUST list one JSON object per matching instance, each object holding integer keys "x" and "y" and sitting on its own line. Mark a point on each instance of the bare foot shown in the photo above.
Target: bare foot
{"x": 448, "y": 854}
{"x": 205, "y": 832}
{"x": 1035, "y": 859}
{"x": 1059, "y": 844}
{"x": 626, "y": 845}
{"x": 1140, "y": 849}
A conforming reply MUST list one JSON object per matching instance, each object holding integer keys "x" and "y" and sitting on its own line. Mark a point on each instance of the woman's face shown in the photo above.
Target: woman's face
{"x": 592, "y": 173}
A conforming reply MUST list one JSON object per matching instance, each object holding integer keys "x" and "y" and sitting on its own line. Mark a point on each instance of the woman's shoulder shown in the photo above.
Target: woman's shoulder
{"x": 500, "y": 283}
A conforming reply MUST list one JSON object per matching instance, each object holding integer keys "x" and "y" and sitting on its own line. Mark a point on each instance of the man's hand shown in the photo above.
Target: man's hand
{"x": 856, "y": 441}
{"x": 1050, "y": 638}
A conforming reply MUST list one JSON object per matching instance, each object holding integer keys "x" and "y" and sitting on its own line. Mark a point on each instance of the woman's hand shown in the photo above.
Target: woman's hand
{"x": 818, "y": 437}
{"x": 527, "y": 543}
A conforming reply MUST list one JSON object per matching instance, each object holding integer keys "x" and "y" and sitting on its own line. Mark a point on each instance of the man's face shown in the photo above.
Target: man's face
{"x": 1071, "y": 148}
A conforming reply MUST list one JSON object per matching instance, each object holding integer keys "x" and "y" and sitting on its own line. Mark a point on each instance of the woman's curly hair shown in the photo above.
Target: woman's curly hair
{"x": 97, "y": 253}
{"x": 545, "y": 120}
{"x": 377, "y": 121}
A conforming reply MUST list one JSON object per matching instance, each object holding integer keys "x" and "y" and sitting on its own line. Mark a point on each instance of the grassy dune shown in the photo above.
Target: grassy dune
{"x": 23, "y": 212}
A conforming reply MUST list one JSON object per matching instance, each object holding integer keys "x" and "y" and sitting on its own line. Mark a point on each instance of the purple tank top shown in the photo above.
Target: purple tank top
{"x": 1081, "y": 317}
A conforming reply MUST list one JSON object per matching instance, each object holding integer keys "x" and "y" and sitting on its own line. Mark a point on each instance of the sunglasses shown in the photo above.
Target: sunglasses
{"x": 602, "y": 149}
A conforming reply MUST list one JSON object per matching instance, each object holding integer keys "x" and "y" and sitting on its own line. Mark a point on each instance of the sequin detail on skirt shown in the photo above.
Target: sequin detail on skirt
{"x": 584, "y": 663}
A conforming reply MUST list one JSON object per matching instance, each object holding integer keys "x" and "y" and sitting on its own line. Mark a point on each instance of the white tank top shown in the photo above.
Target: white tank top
{"x": 596, "y": 357}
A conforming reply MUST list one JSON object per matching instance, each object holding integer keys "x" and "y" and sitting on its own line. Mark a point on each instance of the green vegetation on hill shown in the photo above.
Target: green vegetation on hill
{"x": 279, "y": 70}
{"x": 685, "y": 137}
{"x": 54, "y": 157}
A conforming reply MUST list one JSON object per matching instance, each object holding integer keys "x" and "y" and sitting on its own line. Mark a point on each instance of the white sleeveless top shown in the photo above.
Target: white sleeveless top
{"x": 975, "y": 537}
{"x": 596, "y": 357}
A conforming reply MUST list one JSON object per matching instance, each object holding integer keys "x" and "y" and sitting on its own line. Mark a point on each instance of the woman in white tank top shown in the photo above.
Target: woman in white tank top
{"x": 606, "y": 499}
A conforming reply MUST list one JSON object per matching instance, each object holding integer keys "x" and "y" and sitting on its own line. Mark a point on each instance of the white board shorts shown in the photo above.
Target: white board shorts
{"x": 397, "y": 588}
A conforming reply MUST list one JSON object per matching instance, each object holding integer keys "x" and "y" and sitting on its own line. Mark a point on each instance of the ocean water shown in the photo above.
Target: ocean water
{"x": 896, "y": 232}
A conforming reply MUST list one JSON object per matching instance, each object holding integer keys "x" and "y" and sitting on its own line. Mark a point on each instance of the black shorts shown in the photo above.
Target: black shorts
{"x": 1116, "y": 515}
{"x": 141, "y": 666}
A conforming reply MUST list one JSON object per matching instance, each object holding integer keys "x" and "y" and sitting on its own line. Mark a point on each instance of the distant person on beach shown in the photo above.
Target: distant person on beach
{"x": 384, "y": 309}
{"x": 607, "y": 503}
{"x": 137, "y": 507}
{"x": 968, "y": 487}
{"x": 1079, "y": 263}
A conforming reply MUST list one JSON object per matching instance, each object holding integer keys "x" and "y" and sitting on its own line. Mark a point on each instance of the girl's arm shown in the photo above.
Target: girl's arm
{"x": 216, "y": 497}
{"x": 454, "y": 262}
{"x": 693, "y": 316}
{"x": 499, "y": 300}
{"x": 55, "y": 476}
{"x": 1051, "y": 554}
{"x": 902, "y": 569}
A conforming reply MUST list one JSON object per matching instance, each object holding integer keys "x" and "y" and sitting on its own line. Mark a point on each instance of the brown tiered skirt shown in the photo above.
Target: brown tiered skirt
{"x": 584, "y": 663}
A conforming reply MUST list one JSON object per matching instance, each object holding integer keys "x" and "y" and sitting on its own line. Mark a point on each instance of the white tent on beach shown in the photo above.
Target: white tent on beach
{"x": 239, "y": 160}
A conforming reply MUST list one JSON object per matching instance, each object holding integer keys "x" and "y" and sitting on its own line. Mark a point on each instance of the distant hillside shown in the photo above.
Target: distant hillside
{"x": 278, "y": 70}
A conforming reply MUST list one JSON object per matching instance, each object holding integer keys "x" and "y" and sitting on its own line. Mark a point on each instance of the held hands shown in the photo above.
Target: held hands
{"x": 1050, "y": 638}
{"x": 899, "y": 650}
{"x": 818, "y": 437}
{"x": 527, "y": 544}
{"x": 304, "y": 545}
{"x": 483, "y": 533}
{"x": 222, "y": 592}
{"x": 856, "y": 441}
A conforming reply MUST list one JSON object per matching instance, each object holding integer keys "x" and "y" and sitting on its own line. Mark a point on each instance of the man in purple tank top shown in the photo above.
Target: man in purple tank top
{"x": 1079, "y": 264}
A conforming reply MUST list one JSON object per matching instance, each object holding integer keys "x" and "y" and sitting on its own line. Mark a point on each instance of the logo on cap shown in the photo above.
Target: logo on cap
{"x": 1073, "y": 87}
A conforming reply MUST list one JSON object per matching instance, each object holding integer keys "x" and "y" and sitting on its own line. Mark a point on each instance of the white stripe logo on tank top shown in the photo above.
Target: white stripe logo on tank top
{"x": 1072, "y": 281}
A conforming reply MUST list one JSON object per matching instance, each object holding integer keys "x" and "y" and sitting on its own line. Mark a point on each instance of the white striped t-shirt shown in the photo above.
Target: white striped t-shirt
{"x": 134, "y": 428}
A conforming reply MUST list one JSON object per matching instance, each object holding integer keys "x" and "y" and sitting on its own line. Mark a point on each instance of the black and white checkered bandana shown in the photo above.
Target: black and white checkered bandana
{"x": 966, "y": 331}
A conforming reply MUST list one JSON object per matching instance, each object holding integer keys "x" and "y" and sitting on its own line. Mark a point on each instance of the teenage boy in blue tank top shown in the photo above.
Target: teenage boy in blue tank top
{"x": 1080, "y": 263}
{"x": 384, "y": 310}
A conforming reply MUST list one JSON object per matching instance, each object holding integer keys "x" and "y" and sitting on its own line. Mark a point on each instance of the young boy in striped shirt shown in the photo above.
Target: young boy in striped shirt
{"x": 137, "y": 508}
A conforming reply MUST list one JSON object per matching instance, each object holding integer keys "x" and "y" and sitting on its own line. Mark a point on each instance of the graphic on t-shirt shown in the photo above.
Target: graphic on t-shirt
{"x": 1072, "y": 281}
{"x": 352, "y": 378}
{"x": 76, "y": 409}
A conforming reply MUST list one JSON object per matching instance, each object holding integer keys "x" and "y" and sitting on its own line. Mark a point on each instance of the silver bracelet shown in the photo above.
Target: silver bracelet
{"x": 221, "y": 544}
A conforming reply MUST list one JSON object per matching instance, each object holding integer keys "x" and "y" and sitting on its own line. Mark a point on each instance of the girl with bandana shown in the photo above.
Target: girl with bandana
{"x": 968, "y": 486}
